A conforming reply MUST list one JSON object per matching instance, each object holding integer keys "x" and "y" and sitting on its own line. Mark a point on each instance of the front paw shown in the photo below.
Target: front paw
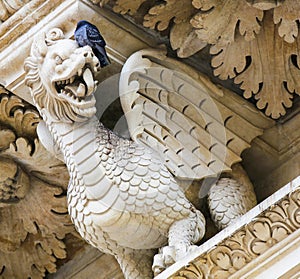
{"x": 165, "y": 258}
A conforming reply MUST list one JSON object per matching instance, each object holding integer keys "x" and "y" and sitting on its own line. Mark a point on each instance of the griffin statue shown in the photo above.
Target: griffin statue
{"x": 122, "y": 196}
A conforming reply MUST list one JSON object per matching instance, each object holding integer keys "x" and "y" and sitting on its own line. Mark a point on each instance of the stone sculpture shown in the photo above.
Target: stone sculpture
{"x": 122, "y": 198}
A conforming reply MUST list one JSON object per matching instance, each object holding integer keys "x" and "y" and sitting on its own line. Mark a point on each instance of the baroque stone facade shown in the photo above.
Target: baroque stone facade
{"x": 241, "y": 55}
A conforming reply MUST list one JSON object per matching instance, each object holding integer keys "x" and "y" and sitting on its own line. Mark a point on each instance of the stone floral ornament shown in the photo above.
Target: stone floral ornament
{"x": 255, "y": 43}
{"x": 245, "y": 245}
{"x": 123, "y": 185}
{"x": 33, "y": 212}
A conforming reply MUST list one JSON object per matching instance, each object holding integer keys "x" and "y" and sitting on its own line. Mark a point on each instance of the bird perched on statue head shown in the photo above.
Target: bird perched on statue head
{"x": 88, "y": 34}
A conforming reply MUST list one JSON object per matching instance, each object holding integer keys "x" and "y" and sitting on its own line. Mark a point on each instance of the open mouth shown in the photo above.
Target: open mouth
{"x": 78, "y": 88}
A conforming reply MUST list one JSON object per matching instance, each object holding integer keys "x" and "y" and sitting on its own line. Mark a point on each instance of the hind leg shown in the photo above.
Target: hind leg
{"x": 182, "y": 235}
{"x": 135, "y": 264}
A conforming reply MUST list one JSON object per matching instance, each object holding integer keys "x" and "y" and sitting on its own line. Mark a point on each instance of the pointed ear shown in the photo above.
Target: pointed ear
{"x": 39, "y": 46}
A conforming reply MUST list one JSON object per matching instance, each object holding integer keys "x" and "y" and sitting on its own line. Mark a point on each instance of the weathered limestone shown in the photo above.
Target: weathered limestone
{"x": 35, "y": 183}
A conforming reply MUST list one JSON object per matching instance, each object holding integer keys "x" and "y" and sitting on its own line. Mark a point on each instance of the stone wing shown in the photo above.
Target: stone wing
{"x": 176, "y": 111}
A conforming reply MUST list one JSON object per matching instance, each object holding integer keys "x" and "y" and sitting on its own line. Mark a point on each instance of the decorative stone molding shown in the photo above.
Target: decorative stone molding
{"x": 33, "y": 212}
{"x": 233, "y": 256}
{"x": 241, "y": 35}
{"x": 9, "y": 7}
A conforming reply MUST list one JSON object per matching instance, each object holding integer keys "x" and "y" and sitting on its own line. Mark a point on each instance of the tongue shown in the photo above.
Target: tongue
{"x": 89, "y": 81}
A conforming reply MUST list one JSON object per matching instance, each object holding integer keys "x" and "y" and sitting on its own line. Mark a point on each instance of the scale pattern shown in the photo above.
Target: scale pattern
{"x": 228, "y": 200}
{"x": 123, "y": 200}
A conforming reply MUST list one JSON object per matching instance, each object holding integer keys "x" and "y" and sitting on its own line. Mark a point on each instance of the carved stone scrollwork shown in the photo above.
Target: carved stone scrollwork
{"x": 241, "y": 35}
{"x": 33, "y": 212}
{"x": 268, "y": 229}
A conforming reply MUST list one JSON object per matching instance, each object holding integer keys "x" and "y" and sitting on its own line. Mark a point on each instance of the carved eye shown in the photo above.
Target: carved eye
{"x": 58, "y": 60}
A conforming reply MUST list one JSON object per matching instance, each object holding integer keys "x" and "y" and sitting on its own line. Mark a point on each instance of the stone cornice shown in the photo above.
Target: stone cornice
{"x": 249, "y": 247}
{"x": 8, "y": 8}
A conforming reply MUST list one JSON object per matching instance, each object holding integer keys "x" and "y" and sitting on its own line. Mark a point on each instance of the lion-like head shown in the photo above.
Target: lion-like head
{"x": 61, "y": 77}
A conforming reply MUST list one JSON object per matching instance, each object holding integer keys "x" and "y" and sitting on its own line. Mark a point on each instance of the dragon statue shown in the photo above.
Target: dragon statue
{"x": 122, "y": 197}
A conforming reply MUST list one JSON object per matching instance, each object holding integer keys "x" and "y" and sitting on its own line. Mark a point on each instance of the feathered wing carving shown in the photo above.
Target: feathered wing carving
{"x": 176, "y": 111}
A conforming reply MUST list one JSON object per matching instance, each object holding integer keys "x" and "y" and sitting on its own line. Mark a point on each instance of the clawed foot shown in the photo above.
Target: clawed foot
{"x": 168, "y": 255}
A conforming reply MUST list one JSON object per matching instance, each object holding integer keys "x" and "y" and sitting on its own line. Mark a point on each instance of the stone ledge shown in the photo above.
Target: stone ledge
{"x": 263, "y": 231}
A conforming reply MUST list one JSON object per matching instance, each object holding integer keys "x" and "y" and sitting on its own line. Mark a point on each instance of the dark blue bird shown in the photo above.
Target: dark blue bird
{"x": 88, "y": 34}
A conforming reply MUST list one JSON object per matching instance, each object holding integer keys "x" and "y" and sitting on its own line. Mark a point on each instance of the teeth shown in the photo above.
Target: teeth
{"x": 67, "y": 81}
{"x": 80, "y": 90}
{"x": 80, "y": 72}
{"x": 72, "y": 79}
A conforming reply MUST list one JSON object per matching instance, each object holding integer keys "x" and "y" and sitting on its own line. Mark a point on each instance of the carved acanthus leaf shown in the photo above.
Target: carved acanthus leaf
{"x": 33, "y": 230}
{"x": 21, "y": 118}
{"x": 127, "y": 6}
{"x": 34, "y": 258}
{"x": 33, "y": 214}
{"x": 271, "y": 78}
{"x": 18, "y": 122}
{"x": 265, "y": 4}
{"x": 160, "y": 15}
{"x": 217, "y": 25}
{"x": 49, "y": 169}
{"x": 7, "y": 137}
{"x": 239, "y": 33}
{"x": 287, "y": 17}
{"x": 14, "y": 182}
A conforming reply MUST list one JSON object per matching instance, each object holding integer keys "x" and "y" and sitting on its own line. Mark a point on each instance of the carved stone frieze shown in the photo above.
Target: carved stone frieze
{"x": 245, "y": 245}
{"x": 33, "y": 212}
{"x": 241, "y": 35}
